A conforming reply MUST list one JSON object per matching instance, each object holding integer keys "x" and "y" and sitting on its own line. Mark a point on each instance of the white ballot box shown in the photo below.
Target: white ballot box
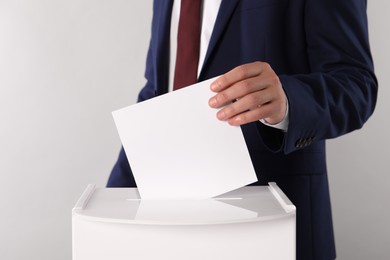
{"x": 256, "y": 222}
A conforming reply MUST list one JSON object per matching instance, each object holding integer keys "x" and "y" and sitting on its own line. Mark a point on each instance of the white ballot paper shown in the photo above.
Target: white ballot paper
{"x": 178, "y": 149}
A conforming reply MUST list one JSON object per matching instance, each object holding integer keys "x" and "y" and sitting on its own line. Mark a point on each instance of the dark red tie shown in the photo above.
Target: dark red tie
{"x": 188, "y": 44}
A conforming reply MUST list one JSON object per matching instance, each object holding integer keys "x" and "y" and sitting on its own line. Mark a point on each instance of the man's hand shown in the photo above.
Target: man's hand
{"x": 257, "y": 92}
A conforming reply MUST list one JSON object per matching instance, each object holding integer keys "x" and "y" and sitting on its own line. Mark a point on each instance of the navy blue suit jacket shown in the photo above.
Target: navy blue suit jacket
{"x": 320, "y": 51}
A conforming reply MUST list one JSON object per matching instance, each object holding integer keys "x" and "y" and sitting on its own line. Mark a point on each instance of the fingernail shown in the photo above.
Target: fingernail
{"x": 214, "y": 86}
{"x": 221, "y": 115}
{"x": 235, "y": 121}
{"x": 212, "y": 102}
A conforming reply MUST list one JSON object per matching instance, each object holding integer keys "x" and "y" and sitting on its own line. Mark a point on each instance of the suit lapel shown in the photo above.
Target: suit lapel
{"x": 163, "y": 23}
{"x": 224, "y": 14}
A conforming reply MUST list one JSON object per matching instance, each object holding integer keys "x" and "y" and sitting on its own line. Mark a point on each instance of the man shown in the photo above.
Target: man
{"x": 300, "y": 72}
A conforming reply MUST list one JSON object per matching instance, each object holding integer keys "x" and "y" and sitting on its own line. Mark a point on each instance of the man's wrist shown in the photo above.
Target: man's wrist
{"x": 282, "y": 125}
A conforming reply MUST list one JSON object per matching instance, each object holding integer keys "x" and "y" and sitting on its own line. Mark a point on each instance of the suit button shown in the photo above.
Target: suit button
{"x": 298, "y": 143}
{"x": 303, "y": 142}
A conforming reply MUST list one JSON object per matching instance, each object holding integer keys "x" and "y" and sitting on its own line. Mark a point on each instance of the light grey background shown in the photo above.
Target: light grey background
{"x": 65, "y": 65}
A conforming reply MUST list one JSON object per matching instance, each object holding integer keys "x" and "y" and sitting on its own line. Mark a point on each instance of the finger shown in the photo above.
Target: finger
{"x": 259, "y": 113}
{"x": 248, "y": 102}
{"x": 237, "y": 91}
{"x": 237, "y": 74}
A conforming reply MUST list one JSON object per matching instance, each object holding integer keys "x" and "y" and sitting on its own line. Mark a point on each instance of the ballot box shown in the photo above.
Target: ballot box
{"x": 255, "y": 222}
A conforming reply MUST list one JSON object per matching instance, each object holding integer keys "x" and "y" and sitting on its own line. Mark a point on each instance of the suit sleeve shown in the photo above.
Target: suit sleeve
{"x": 121, "y": 174}
{"x": 339, "y": 94}
{"x": 149, "y": 90}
